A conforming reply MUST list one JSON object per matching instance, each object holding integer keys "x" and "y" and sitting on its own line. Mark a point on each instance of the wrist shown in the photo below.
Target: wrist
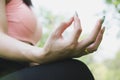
{"x": 38, "y": 55}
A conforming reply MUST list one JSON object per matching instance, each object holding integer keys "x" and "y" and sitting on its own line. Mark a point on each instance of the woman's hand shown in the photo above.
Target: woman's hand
{"x": 57, "y": 47}
{"x": 92, "y": 42}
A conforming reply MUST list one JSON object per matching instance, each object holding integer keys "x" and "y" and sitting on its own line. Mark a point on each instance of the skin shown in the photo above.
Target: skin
{"x": 56, "y": 46}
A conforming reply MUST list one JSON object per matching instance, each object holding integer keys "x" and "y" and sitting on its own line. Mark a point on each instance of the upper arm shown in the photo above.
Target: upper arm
{"x": 3, "y": 19}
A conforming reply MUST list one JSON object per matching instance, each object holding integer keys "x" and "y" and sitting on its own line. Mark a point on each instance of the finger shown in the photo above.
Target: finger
{"x": 59, "y": 30}
{"x": 92, "y": 37}
{"x": 77, "y": 29}
{"x": 99, "y": 38}
{"x": 96, "y": 30}
{"x": 95, "y": 45}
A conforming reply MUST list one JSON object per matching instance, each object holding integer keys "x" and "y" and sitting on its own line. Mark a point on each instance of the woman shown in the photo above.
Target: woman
{"x": 18, "y": 35}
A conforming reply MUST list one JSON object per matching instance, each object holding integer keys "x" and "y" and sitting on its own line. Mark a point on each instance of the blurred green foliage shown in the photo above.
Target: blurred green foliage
{"x": 116, "y": 3}
{"x": 115, "y": 8}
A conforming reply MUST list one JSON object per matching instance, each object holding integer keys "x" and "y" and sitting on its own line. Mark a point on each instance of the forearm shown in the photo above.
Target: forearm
{"x": 13, "y": 49}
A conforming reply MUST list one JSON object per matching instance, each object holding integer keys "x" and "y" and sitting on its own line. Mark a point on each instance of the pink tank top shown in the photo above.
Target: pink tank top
{"x": 21, "y": 21}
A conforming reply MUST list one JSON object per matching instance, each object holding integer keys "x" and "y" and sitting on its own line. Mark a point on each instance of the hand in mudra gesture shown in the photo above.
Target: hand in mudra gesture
{"x": 57, "y": 47}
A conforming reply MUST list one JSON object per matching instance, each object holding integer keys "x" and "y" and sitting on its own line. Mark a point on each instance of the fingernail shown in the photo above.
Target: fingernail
{"x": 76, "y": 13}
{"x": 103, "y": 18}
{"x": 103, "y": 29}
